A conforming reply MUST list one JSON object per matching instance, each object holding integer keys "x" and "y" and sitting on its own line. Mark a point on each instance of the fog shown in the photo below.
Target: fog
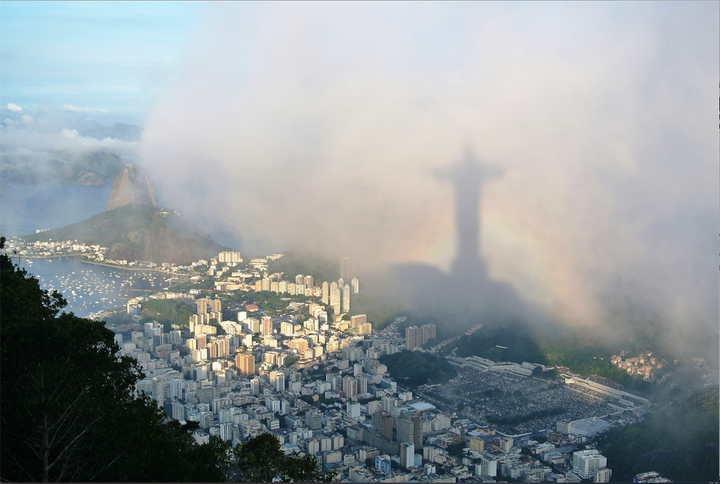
{"x": 325, "y": 127}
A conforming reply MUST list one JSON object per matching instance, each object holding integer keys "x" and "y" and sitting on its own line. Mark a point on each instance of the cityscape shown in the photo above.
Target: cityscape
{"x": 359, "y": 242}
{"x": 312, "y": 375}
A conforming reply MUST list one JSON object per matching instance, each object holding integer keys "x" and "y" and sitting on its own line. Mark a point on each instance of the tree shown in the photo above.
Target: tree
{"x": 260, "y": 459}
{"x": 69, "y": 411}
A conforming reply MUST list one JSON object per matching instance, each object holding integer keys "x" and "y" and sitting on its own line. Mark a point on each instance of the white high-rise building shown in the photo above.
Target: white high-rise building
{"x": 586, "y": 462}
{"x": 325, "y": 293}
{"x": 335, "y": 298}
{"x": 277, "y": 379}
{"x": 487, "y": 467}
{"x": 229, "y": 257}
{"x": 346, "y": 299}
{"x": 355, "y": 285}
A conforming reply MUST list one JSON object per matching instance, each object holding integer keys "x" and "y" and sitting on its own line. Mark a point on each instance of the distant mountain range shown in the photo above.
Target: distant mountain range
{"x": 93, "y": 129}
{"x": 75, "y": 166}
{"x": 94, "y": 168}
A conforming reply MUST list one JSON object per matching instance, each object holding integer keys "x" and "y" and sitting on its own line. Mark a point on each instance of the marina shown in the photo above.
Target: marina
{"x": 91, "y": 288}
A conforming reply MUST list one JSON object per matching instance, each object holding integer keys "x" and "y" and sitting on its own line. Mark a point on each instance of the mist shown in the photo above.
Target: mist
{"x": 323, "y": 127}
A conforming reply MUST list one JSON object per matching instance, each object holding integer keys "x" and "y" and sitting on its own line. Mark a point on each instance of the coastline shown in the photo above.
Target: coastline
{"x": 145, "y": 269}
{"x": 14, "y": 256}
{"x": 128, "y": 268}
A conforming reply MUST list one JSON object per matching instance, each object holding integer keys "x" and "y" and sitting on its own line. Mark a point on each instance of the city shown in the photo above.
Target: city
{"x": 313, "y": 377}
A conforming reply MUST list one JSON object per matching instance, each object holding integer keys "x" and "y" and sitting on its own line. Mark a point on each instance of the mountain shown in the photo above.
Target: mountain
{"x": 131, "y": 186}
{"x": 86, "y": 126}
{"x": 93, "y": 168}
{"x": 139, "y": 232}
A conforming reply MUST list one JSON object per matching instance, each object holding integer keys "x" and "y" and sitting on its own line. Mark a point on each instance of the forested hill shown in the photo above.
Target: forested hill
{"x": 679, "y": 441}
{"x": 296, "y": 262}
{"x": 137, "y": 232}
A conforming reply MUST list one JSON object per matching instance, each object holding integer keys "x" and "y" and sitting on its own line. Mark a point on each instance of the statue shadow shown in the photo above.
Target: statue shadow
{"x": 465, "y": 296}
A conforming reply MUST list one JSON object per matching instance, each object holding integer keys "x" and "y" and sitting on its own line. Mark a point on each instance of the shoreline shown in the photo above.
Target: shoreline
{"x": 43, "y": 256}
{"x": 129, "y": 268}
{"x": 93, "y": 263}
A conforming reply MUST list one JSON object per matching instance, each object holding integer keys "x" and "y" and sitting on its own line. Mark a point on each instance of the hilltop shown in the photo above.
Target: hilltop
{"x": 139, "y": 232}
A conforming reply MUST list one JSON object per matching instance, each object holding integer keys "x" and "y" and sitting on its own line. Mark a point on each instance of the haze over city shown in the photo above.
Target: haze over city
{"x": 324, "y": 127}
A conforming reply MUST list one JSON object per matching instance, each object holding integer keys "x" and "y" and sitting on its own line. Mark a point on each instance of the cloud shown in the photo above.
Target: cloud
{"x": 14, "y": 107}
{"x": 27, "y": 119}
{"x": 70, "y": 107}
{"x": 322, "y": 126}
{"x": 64, "y": 140}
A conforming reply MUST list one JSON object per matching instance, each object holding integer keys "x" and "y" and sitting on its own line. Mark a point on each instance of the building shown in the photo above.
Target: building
{"x": 277, "y": 379}
{"x": 487, "y": 467}
{"x": 345, "y": 299}
{"x": 383, "y": 464}
{"x": 587, "y": 427}
{"x": 229, "y": 257}
{"x": 413, "y": 337}
{"x": 309, "y": 281}
{"x": 586, "y": 462}
{"x": 335, "y": 297}
{"x": 245, "y": 363}
{"x": 202, "y": 305}
{"x": 407, "y": 455}
{"x": 325, "y": 293}
{"x": 266, "y": 328}
{"x": 355, "y": 285}
{"x": 409, "y": 430}
{"x": 602, "y": 475}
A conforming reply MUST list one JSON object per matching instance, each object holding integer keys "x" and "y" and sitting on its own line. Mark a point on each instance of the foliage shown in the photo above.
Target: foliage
{"x": 295, "y": 262}
{"x": 168, "y": 311}
{"x": 456, "y": 449}
{"x": 69, "y": 412}
{"x": 416, "y": 368}
{"x": 268, "y": 301}
{"x": 513, "y": 342}
{"x": 260, "y": 459}
{"x": 680, "y": 441}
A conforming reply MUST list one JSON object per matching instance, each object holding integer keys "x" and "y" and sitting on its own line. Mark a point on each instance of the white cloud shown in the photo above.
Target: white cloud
{"x": 27, "y": 119}
{"x": 335, "y": 121}
{"x": 70, "y": 107}
{"x": 14, "y": 107}
{"x": 69, "y": 133}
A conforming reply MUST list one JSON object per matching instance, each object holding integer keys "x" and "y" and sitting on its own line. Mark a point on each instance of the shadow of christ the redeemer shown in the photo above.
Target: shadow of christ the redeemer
{"x": 466, "y": 295}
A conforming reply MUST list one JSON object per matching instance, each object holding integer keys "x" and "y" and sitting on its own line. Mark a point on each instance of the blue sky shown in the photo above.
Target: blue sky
{"x": 112, "y": 56}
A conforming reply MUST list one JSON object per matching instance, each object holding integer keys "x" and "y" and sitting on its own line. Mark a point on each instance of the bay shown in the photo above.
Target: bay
{"x": 90, "y": 288}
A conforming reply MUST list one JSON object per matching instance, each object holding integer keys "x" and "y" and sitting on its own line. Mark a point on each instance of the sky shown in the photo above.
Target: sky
{"x": 324, "y": 126}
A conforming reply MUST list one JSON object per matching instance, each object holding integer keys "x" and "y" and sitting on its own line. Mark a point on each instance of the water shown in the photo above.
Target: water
{"x": 25, "y": 208}
{"x": 90, "y": 288}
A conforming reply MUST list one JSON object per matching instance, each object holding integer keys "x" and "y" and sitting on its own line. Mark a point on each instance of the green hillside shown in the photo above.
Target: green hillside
{"x": 137, "y": 232}
{"x": 679, "y": 441}
{"x": 296, "y": 262}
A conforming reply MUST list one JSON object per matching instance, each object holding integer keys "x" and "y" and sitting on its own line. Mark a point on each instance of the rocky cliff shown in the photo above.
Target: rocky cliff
{"x": 131, "y": 186}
